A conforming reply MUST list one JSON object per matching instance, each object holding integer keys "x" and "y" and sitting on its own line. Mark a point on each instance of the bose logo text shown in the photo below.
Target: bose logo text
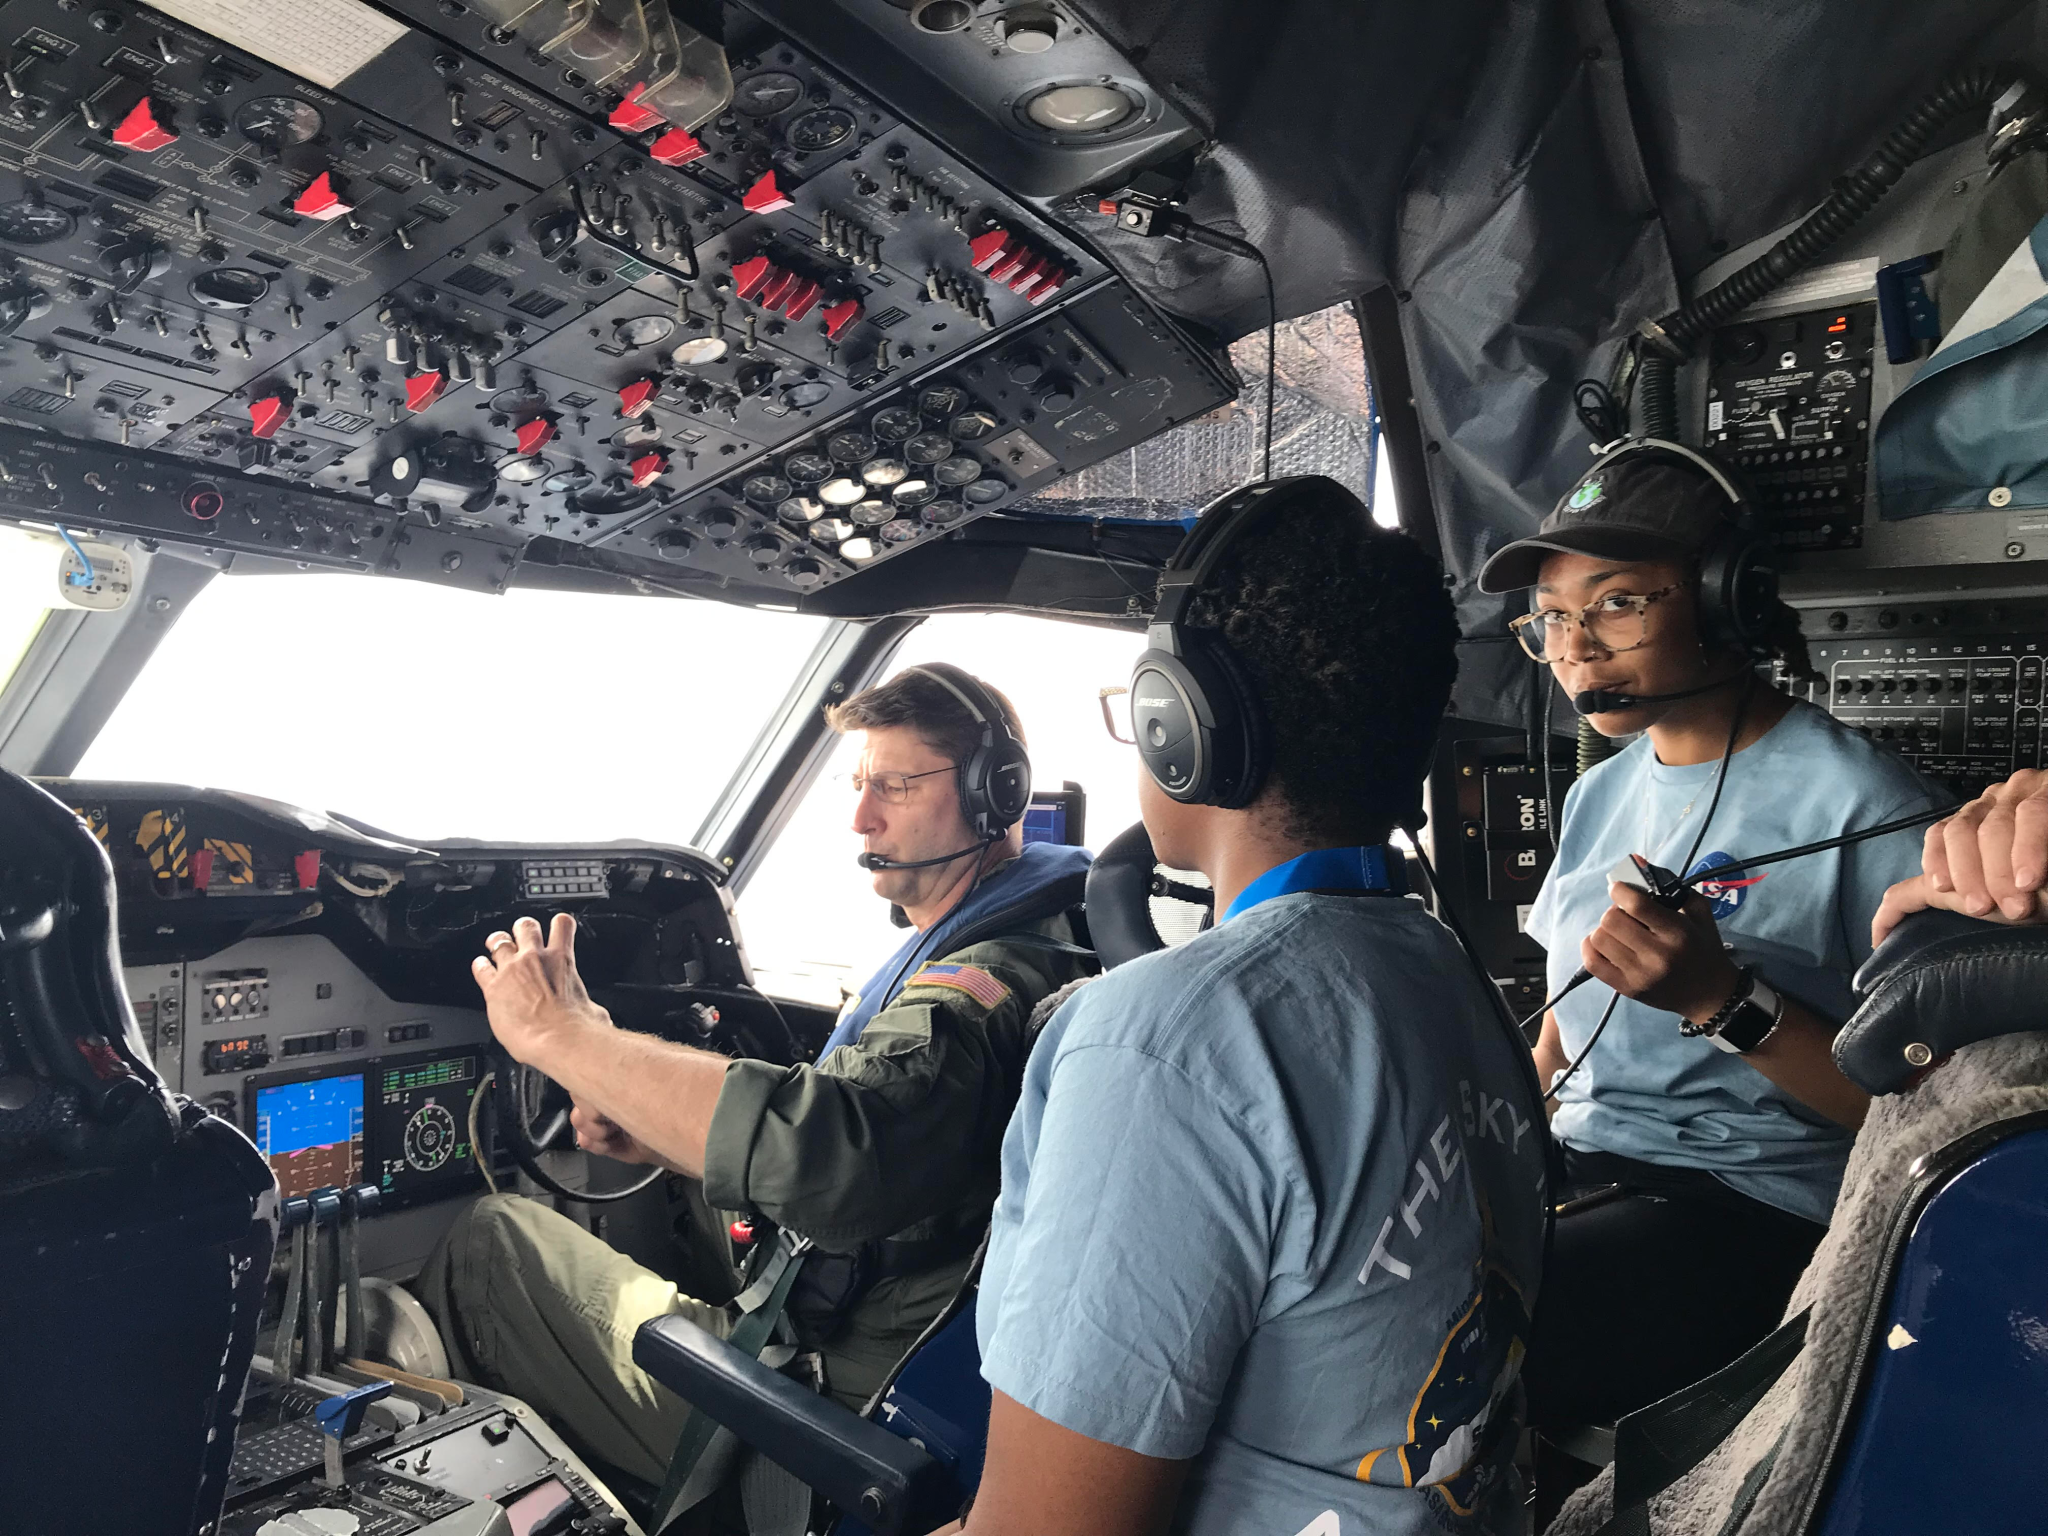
{"x": 1158, "y": 703}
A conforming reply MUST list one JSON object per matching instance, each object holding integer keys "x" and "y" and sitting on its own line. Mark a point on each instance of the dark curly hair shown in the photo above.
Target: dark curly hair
{"x": 1348, "y": 636}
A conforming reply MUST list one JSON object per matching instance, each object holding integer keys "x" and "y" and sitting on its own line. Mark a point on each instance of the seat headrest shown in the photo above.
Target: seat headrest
{"x": 1941, "y": 981}
{"x": 1120, "y": 898}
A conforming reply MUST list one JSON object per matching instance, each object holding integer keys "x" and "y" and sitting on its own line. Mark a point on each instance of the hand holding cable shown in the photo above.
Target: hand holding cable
{"x": 1670, "y": 960}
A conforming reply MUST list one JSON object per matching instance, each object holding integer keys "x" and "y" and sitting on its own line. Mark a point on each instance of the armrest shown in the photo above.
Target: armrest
{"x": 886, "y": 1482}
{"x": 1941, "y": 981}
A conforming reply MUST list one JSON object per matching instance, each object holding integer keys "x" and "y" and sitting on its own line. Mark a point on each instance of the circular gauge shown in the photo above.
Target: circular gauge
{"x": 765, "y": 490}
{"x": 277, "y": 121}
{"x": 430, "y": 1137}
{"x": 638, "y": 434}
{"x": 928, "y": 448}
{"x": 942, "y": 401}
{"x": 857, "y": 550}
{"x": 850, "y": 447}
{"x": 805, "y": 393}
{"x": 568, "y": 481}
{"x": 841, "y": 492}
{"x": 522, "y": 403}
{"x": 765, "y": 95}
{"x": 524, "y": 468}
{"x": 832, "y": 529}
{"x": 697, "y": 351}
{"x": 895, "y": 424}
{"x": 800, "y": 509}
{"x": 913, "y": 493}
{"x": 868, "y": 513}
{"x": 940, "y": 513}
{"x": 642, "y": 331}
{"x": 803, "y": 573}
{"x": 1080, "y": 110}
{"x": 972, "y": 426}
{"x": 823, "y": 129}
{"x": 958, "y": 470}
{"x": 30, "y": 221}
{"x": 807, "y": 468}
{"x": 881, "y": 472}
{"x": 900, "y": 531}
{"x": 986, "y": 492}
{"x": 616, "y": 497}
{"x": 229, "y": 288}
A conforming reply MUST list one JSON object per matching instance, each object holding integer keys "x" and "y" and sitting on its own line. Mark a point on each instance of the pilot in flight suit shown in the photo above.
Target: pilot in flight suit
{"x": 885, "y": 1153}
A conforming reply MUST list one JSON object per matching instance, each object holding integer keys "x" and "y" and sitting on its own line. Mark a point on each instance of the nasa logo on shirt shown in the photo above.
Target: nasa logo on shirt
{"x": 1727, "y": 896}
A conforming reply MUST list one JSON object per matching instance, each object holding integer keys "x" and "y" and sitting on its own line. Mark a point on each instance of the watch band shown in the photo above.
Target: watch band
{"x": 1753, "y": 1021}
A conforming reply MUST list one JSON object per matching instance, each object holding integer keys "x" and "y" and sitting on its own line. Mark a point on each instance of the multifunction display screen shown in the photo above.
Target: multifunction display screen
{"x": 312, "y": 1132}
{"x": 420, "y": 1115}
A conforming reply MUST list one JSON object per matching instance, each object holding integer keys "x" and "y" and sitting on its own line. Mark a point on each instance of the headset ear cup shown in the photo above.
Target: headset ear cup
{"x": 1244, "y": 751}
{"x": 1738, "y": 590}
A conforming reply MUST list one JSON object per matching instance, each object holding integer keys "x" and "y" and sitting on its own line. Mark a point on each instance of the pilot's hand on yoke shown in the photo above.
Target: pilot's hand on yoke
{"x": 535, "y": 999}
{"x": 606, "y": 1137}
{"x": 1672, "y": 961}
{"x": 1989, "y": 860}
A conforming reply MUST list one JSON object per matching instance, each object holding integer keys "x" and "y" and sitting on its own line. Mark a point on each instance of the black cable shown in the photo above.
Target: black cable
{"x": 1183, "y": 228}
{"x": 1721, "y": 773}
{"x": 1272, "y": 341}
{"x": 1580, "y": 1060}
{"x": 1549, "y": 687}
{"x": 1883, "y": 829}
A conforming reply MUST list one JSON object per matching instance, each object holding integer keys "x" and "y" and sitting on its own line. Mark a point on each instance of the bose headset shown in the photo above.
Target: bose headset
{"x": 1738, "y": 592}
{"x": 994, "y": 784}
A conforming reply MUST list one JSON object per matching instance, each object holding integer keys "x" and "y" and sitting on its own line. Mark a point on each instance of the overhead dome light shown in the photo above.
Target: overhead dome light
{"x": 1088, "y": 109}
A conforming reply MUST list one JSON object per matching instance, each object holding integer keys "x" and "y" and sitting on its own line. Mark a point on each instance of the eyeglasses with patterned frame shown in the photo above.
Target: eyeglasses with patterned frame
{"x": 1615, "y": 622}
{"x": 1116, "y": 717}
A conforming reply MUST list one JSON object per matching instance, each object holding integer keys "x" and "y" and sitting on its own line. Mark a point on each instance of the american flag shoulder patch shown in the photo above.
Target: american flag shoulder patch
{"x": 975, "y": 982}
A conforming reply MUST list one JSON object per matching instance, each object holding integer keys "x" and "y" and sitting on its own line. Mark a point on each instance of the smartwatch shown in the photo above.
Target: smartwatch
{"x": 1747, "y": 1019}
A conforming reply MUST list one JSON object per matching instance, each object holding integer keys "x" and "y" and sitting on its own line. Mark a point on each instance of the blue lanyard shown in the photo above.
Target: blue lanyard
{"x": 1375, "y": 867}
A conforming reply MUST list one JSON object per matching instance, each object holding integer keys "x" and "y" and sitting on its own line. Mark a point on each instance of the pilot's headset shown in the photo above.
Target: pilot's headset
{"x": 1202, "y": 731}
{"x": 995, "y": 782}
{"x": 1738, "y": 585}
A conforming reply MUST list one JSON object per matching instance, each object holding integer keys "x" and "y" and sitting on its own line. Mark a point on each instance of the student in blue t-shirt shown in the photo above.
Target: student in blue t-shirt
{"x": 1710, "y": 1107}
{"x": 1271, "y": 1210}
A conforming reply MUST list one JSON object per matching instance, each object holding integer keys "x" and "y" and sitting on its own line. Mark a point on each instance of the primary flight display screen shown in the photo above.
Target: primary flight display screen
{"x": 420, "y": 1132}
{"x": 311, "y": 1132}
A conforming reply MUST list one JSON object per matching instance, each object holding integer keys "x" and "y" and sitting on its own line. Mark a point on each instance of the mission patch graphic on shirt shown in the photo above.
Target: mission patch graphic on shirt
{"x": 1449, "y": 1425}
{"x": 1726, "y": 895}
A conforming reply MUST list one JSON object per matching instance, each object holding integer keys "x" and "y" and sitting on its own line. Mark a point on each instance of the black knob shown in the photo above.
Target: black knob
{"x": 1057, "y": 396}
{"x": 1025, "y": 368}
{"x": 673, "y": 543}
{"x": 764, "y": 549}
{"x": 1863, "y": 685}
{"x": 242, "y": 174}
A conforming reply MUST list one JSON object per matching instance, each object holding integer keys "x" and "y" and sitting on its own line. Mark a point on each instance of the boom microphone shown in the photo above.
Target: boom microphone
{"x": 1601, "y": 701}
{"x": 876, "y": 861}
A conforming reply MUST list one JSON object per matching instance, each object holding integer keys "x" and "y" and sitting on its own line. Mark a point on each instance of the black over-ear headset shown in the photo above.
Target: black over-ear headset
{"x": 1738, "y": 595}
{"x": 1202, "y": 732}
{"x": 995, "y": 781}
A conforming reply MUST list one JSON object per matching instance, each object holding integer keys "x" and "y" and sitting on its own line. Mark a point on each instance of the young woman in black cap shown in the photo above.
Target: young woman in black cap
{"x": 1695, "y": 1096}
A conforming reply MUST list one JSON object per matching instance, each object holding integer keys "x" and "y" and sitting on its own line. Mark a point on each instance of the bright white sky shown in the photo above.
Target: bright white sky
{"x": 544, "y": 716}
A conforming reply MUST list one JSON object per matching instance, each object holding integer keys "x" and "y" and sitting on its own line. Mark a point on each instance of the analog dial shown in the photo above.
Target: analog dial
{"x": 430, "y": 1137}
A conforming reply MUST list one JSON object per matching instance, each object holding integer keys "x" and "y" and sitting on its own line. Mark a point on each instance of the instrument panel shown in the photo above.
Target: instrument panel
{"x": 459, "y": 299}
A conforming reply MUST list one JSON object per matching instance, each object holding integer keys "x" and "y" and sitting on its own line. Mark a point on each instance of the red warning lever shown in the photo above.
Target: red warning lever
{"x": 423, "y": 389}
{"x": 321, "y": 199}
{"x": 637, "y": 396}
{"x": 631, "y": 116}
{"x": 536, "y": 435}
{"x": 677, "y": 147}
{"x": 803, "y": 299}
{"x": 141, "y": 129}
{"x": 648, "y": 468}
{"x": 990, "y": 247}
{"x": 749, "y": 276}
{"x": 838, "y": 317}
{"x": 765, "y": 197}
{"x": 268, "y": 414}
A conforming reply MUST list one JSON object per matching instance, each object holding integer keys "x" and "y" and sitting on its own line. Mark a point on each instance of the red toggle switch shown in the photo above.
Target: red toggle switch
{"x": 536, "y": 435}
{"x": 1035, "y": 271}
{"x": 307, "y": 867}
{"x": 750, "y": 275}
{"x": 1106, "y": 207}
{"x": 1010, "y": 263}
{"x": 778, "y": 288}
{"x": 202, "y": 869}
{"x": 1054, "y": 280}
{"x": 765, "y": 197}
{"x": 423, "y": 389}
{"x": 990, "y": 247}
{"x": 803, "y": 299}
{"x": 630, "y": 116}
{"x": 648, "y": 468}
{"x": 838, "y": 317}
{"x": 742, "y": 1232}
{"x": 637, "y": 396}
{"x": 268, "y": 414}
{"x": 141, "y": 130}
{"x": 677, "y": 147}
{"x": 321, "y": 200}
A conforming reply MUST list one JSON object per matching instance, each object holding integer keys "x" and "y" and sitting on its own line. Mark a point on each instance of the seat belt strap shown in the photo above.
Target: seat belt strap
{"x": 761, "y": 1306}
{"x": 1655, "y": 1446}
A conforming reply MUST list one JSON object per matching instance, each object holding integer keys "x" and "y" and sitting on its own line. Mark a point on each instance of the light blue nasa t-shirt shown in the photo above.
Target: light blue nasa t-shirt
{"x": 1647, "y": 1091}
{"x": 1271, "y": 1200}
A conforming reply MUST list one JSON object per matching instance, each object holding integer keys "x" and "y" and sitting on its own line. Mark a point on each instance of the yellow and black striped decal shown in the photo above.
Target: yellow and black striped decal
{"x": 231, "y": 861}
{"x": 160, "y": 838}
{"x": 95, "y": 819}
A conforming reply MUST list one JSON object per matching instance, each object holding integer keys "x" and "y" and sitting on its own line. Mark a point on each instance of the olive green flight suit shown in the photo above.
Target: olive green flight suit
{"x": 896, "y": 1136}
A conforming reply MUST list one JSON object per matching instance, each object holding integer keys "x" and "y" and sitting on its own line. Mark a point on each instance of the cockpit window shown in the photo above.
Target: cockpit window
{"x": 27, "y": 578}
{"x": 433, "y": 713}
{"x": 811, "y": 921}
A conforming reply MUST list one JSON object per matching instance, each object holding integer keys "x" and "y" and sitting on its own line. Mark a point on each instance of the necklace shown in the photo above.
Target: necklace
{"x": 1653, "y": 851}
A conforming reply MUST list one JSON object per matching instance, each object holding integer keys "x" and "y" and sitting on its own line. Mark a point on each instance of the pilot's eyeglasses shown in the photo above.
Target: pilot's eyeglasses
{"x": 1116, "y": 714}
{"x": 889, "y": 788}
{"x": 1616, "y": 622}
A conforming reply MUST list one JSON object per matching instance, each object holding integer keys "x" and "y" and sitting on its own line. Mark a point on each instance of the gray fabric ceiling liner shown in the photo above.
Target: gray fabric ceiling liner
{"x": 1533, "y": 177}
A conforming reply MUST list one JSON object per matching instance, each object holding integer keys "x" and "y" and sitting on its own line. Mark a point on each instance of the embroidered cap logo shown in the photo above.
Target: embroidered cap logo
{"x": 1585, "y": 496}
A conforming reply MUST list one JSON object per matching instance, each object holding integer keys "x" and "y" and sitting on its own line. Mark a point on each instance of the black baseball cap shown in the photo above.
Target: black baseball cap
{"x": 1646, "y": 505}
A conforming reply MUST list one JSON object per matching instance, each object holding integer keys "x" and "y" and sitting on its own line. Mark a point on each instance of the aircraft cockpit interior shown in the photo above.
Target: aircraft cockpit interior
{"x": 467, "y": 462}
